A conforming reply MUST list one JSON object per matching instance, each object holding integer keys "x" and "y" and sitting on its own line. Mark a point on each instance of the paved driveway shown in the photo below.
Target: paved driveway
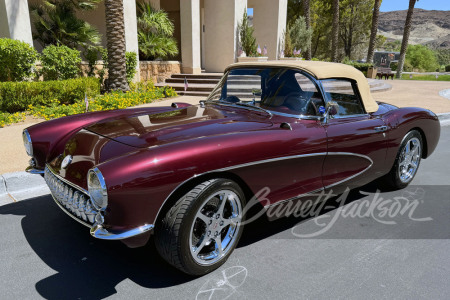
{"x": 45, "y": 254}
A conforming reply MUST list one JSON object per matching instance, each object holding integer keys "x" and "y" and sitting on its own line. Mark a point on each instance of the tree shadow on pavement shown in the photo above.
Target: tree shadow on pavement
{"x": 86, "y": 268}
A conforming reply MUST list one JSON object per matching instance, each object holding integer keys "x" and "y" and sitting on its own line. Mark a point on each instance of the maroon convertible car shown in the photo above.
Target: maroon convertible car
{"x": 185, "y": 173}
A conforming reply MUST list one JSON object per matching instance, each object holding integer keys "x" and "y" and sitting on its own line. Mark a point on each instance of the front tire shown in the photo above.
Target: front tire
{"x": 199, "y": 233}
{"x": 406, "y": 162}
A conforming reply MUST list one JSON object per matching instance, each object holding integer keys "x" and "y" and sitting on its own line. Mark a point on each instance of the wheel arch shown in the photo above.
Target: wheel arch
{"x": 424, "y": 141}
{"x": 187, "y": 185}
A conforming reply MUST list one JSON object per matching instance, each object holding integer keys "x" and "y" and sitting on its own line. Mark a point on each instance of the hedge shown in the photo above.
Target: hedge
{"x": 17, "y": 96}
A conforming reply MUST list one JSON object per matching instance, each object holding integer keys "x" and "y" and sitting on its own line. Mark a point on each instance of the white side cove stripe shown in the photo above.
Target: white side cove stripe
{"x": 274, "y": 160}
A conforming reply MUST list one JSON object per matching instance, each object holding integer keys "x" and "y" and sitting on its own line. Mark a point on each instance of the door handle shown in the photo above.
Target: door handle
{"x": 381, "y": 128}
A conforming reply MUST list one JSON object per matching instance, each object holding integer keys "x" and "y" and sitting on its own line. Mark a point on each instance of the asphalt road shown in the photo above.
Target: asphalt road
{"x": 399, "y": 249}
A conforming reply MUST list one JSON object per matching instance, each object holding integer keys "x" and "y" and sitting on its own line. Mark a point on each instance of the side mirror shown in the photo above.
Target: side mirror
{"x": 332, "y": 109}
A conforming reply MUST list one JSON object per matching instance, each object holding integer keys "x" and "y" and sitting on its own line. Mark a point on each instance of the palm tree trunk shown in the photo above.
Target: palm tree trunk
{"x": 308, "y": 25}
{"x": 335, "y": 31}
{"x": 373, "y": 32}
{"x": 115, "y": 35}
{"x": 405, "y": 40}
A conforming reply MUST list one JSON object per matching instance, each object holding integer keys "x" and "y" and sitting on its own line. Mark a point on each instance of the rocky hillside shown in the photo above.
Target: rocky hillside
{"x": 431, "y": 27}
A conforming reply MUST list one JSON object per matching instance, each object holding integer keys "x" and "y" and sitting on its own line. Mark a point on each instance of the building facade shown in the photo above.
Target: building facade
{"x": 206, "y": 30}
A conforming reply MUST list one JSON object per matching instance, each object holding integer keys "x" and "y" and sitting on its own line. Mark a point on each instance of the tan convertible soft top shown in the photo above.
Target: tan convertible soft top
{"x": 324, "y": 70}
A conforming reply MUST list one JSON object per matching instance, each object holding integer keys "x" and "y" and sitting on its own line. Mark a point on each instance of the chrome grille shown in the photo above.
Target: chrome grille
{"x": 74, "y": 201}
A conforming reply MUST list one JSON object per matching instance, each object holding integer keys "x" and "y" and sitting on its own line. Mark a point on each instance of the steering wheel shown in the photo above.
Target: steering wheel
{"x": 307, "y": 109}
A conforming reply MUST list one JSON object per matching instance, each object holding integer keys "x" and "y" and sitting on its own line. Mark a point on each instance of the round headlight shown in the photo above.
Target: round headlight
{"x": 97, "y": 189}
{"x": 27, "y": 142}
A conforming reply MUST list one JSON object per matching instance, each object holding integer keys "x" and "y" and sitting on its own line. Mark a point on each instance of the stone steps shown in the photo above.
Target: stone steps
{"x": 203, "y": 84}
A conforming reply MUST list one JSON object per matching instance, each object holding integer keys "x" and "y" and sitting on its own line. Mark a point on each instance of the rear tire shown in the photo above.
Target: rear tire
{"x": 406, "y": 162}
{"x": 201, "y": 230}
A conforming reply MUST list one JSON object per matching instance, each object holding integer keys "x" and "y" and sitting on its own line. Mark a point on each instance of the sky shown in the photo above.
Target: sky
{"x": 390, "y": 5}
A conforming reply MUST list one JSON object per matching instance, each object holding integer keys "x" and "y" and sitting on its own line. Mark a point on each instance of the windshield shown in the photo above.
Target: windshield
{"x": 278, "y": 90}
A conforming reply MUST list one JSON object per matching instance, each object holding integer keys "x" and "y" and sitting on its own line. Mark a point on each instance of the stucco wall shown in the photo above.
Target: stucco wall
{"x": 269, "y": 21}
{"x": 221, "y": 38}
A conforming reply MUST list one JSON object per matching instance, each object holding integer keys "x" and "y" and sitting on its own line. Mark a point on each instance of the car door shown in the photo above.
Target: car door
{"x": 356, "y": 140}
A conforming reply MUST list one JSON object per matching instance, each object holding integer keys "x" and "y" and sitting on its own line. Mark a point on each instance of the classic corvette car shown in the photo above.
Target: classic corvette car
{"x": 185, "y": 173}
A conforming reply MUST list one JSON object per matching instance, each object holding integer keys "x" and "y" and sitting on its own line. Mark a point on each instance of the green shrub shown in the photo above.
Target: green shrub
{"x": 394, "y": 66}
{"x": 447, "y": 68}
{"x": 131, "y": 58}
{"x": 363, "y": 67}
{"x": 421, "y": 57}
{"x": 60, "y": 63}
{"x": 115, "y": 100}
{"x": 18, "y": 96}
{"x": 17, "y": 60}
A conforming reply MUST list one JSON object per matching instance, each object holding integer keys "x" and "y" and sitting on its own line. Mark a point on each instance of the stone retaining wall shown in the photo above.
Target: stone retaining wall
{"x": 158, "y": 71}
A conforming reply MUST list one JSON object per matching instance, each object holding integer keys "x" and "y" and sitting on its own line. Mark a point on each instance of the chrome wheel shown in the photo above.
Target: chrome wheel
{"x": 215, "y": 227}
{"x": 409, "y": 160}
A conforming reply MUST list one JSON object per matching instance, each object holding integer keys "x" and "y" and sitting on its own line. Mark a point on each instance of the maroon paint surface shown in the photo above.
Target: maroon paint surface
{"x": 145, "y": 154}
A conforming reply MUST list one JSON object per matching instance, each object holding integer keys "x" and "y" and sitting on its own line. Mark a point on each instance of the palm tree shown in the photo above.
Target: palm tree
{"x": 155, "y": 33}
{"x": 56, "y": 23}
{"x": 405, "y": 40}
{"x": 308, "y": 25}
{"x": 335, "y": 31}
{"x": 373, "y": 32}
{"x": 115, "y": 35}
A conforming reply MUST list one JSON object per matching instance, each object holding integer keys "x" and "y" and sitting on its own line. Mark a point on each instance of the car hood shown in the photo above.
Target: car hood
{"x": 147, "y": 130}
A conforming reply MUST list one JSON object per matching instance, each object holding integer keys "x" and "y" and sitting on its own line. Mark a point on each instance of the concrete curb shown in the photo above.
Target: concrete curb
{"x": 445, "y": 93}
{"x": 19, "y": 186}
{"x": 444, "y": 118}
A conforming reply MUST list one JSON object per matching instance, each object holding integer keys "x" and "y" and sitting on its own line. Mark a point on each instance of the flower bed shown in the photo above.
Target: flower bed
{"x": 140, "y": 94}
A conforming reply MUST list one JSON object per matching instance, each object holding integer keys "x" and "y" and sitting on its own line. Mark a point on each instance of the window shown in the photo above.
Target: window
{"x": 343, "y": 93}
{"x": 279, "y": 90}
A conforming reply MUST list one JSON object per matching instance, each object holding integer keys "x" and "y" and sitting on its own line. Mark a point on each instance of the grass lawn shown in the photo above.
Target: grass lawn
{"x": 426, "y": 77}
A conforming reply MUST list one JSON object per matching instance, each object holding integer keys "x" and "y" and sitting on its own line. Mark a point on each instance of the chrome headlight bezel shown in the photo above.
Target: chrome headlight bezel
{"x": 27, "y": 142}
{"x": 97, "y": 189}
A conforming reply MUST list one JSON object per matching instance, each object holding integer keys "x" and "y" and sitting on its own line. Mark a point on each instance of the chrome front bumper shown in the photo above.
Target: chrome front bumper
{"x": 76, "y": 203}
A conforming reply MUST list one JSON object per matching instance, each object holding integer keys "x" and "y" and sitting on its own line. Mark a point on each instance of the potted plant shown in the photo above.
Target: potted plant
{"x": 249, "y": 50}
{"x": 296, "y": 38}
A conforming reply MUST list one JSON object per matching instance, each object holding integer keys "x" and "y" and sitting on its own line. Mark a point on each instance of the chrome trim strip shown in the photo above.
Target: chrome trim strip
{"x": 27, "y": 135}
{"x": 68, "y": 182}
{"x": 32, "y": 170}
{"x": 68, "y": 213}
{"x": 101, "y": 179}
{"x": 99, "y": 232}
{"x": 274, "y": 160}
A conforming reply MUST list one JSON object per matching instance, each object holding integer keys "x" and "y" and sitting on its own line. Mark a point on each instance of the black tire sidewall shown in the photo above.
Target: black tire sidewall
{"x": 394, "y": 172}
{"x": 186, "y": 257}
